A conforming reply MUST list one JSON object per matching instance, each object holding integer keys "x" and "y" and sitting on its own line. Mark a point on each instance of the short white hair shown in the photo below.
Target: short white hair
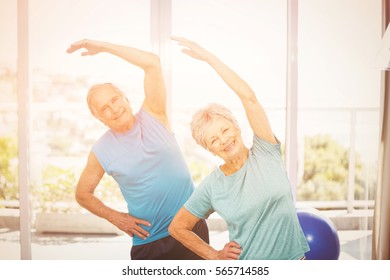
{"x": 203, "y": 118}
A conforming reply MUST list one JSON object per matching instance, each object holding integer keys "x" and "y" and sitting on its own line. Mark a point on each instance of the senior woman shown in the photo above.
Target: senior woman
{"x": 250, "y": 191}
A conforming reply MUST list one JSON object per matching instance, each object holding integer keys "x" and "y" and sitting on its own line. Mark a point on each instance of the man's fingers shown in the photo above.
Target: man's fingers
{"x": 138, "y": 230}
{"x": 142, "y": 222}
{"x": 187, "y": 52}
{"x": 71, "y": 49}
{"x": 141, "y": 233}
{"x": 78, "y": 45}
{"x": 86, "y": 53}
{"x": 75, "y": 46}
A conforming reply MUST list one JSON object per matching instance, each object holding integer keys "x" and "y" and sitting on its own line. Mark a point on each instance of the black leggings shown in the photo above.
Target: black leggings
{"x": 168, "y": 248}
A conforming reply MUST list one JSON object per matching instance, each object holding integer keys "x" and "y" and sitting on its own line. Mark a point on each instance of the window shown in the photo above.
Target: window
{"x": 8, "y": 121}
{"x": 338, "y": 110}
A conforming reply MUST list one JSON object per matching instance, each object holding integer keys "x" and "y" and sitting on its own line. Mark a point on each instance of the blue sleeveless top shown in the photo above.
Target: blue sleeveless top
{"x": 150, "y": 170}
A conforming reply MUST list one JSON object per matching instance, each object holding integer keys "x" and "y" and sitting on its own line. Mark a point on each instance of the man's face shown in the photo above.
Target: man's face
{"x": 112, "y": 108}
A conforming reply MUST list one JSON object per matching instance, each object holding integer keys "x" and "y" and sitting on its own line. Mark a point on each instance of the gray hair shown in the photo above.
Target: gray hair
{"x": 203, "y": 118}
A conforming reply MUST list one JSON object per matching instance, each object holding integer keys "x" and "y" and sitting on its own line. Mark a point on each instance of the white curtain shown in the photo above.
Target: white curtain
{"x": 381, "y": 225}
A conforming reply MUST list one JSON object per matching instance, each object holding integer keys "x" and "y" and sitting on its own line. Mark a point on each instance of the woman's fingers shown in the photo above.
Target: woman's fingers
{"x": 231, "y": 251}
{"x": 179, "y": 39}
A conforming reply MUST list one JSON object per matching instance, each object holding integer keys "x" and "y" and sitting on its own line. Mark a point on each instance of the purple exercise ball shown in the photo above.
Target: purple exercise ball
{"x": 321, "y": 235}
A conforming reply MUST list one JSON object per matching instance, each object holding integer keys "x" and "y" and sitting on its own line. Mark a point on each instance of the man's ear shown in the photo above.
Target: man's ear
{"x": 101, "y": 119}
{"x": 95, "y": 114}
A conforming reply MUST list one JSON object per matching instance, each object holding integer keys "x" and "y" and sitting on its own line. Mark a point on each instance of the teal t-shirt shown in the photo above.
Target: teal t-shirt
{"x": 150, "y": 170}
{"x": 256, "y": 203}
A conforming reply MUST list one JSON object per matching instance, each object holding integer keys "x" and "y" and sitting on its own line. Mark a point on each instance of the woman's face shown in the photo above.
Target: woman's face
{"x": 223, "y": 138}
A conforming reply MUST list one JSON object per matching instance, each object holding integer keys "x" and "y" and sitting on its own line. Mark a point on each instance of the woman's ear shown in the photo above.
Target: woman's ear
{"x": 214, "y": 154}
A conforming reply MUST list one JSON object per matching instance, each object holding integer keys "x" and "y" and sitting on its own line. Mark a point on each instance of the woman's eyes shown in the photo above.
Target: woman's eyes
{"x": 225, "y": 130}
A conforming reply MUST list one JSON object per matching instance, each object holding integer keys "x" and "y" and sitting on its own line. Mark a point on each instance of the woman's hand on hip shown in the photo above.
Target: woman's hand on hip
{"x": 231, "y": 251}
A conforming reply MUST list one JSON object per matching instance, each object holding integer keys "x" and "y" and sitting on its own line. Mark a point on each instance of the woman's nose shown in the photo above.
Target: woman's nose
{"x": 223, "y": 140}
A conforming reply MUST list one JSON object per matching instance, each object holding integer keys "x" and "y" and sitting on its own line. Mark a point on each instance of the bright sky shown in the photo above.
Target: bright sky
{"x": 56, "y": 24}
{"x": 250, "y": 36}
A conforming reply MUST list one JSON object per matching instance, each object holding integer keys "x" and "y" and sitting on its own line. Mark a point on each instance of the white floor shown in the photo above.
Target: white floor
{"x": 353, "y": 244}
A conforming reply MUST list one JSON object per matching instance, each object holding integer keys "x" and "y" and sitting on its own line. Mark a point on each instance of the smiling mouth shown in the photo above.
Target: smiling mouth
{"x": 119, "y": 115}
{"x": 229, "y": 147}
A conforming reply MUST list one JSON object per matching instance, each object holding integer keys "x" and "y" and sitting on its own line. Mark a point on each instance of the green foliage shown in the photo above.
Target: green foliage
{"x": 199, "y": 171}
{"x": 325, "y": 177}
{"x": 326, "y": 170}
{"x": 56, "y": 192}
{"x": 109, "y": 192}
{"x": 8, "y": 168}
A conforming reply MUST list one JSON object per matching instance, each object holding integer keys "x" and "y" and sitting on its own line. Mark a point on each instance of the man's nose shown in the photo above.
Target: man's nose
{"x": 114, "y": 108}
